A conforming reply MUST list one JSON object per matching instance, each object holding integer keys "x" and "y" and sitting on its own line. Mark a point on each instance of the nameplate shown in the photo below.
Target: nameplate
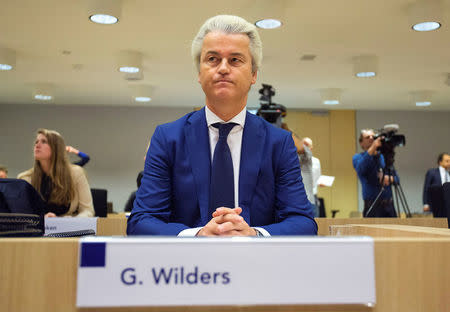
{"x": 225, "y": 271}
{"x": 69, "y": 224}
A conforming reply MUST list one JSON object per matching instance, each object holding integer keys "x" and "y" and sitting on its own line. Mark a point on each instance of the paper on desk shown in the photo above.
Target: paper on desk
{"x": 325, "y": 180}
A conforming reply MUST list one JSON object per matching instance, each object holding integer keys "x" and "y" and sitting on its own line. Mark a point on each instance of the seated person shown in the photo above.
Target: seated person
{"x": 3, "y": 172}
{"x": 130, "y": 201}
{"x": 63, "y": 186}
{"x": 222, "y": 171}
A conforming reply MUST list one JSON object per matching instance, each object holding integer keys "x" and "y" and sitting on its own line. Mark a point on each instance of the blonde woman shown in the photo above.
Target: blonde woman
{"x": 63, "y": 186}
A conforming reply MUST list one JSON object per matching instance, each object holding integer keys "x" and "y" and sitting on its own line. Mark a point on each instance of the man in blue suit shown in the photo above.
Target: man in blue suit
{"x": 221, "y": 171}
{"x": 436, "y": 177}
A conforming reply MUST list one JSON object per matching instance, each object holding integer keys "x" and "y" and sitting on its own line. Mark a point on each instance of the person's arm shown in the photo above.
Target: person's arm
{"x": 365, "y": 164}
{"x": 84, "y": 157}
{"x": 85, "y": 205}
{"x": 152, "y": 207}
{"x": 426, "y": 185}
{"x": 293, "y": 212}
{"x": 130, "y": 202}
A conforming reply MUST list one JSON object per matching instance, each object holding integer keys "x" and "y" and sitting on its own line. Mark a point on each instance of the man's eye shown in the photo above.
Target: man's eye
{"x": 212, "y": 59}
{"x": 235, "y": 60}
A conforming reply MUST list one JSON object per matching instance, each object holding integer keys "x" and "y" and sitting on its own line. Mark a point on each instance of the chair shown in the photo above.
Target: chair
{"x": 436, "y": 194}
{"x": 322, "y": 213}
{"x": 100, "y": 200}
{"x": 446, "y": 188}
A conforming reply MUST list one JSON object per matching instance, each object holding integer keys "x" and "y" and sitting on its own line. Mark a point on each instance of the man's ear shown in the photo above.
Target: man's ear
{"x": 254, "y": 76}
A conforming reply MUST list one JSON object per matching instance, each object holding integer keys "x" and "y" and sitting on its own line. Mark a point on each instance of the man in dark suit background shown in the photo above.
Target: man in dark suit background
{"x": 221, "y": 171}
{"x": 436, "y": 177}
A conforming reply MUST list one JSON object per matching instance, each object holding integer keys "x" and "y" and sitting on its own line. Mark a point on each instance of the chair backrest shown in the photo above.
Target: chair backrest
{"x": 21, "y": 209}
{"x": 100, "y": 201}
{"x": 446, "y": 188}
{"x": 437, "y": 201}
{"x": 322, "y": 211}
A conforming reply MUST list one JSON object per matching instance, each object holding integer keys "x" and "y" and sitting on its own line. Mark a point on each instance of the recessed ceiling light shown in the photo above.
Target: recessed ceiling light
{"x": 5, "y": 67}
{"x": 365, "y": 66}
{"x": 268, "y": 23}
{"x": 142, "y": 99}
{"x": 422, "y": 97}
{"x": 129, "y": 69}
{"x": 426, "y": 26}
{"x": 103, "y": 19}
{"x": 331, "y": 96}
{"x": 365, "y": 74}
{"x": 7, "y": 59}
{"x": 43, "y": 97}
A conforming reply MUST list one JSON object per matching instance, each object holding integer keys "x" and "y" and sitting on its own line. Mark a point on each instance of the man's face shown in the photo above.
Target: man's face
{"x": 226, "y": 67}
{"x": 3, "y": 174}
{"x": 445, "y": 162}
{"x": 367, "y": 140}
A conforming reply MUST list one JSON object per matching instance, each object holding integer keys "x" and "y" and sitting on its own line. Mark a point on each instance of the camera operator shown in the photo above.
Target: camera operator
{"x": 369, "y": 166}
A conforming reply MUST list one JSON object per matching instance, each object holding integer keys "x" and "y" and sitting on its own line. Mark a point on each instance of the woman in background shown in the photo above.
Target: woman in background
{"x": 63, "y": 186}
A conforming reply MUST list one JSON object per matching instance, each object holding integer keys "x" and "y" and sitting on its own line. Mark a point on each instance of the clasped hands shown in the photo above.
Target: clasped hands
{"x": 227, "y": 222}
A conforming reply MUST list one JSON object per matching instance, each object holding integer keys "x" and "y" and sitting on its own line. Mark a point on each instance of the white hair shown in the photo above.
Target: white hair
{"x": 229, "y": 24}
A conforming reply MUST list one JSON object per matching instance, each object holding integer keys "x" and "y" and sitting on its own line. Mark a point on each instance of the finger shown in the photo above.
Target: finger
{"x": 233, "y": 233}
{"x": 230, "y": 217}
{"x": 227, "y": 227}
{"x": 224, "y": 210}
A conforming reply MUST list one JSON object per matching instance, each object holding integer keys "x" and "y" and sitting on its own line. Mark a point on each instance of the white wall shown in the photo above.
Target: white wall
{"x": 427, "y": 135}
{"x": 114, "y": 137}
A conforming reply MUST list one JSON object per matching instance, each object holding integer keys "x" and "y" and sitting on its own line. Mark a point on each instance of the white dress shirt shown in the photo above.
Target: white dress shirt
{"x": 445, "y": 177}
{"x": 316, "y": 172}
{"x": 234, "y": 141}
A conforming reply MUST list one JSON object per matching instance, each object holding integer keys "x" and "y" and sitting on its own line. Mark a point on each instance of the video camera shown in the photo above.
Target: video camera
{"x": 388, "y": 132}
{"x": 271, "y": 112}
{"x": 389, "y": 142}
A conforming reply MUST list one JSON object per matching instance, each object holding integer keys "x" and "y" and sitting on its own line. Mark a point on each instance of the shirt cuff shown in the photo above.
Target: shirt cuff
{"x": 262, "y": 231}
{"x": 189, "y": 232}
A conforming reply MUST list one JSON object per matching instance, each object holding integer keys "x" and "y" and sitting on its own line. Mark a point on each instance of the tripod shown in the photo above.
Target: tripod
{"x": 398, "y": 196}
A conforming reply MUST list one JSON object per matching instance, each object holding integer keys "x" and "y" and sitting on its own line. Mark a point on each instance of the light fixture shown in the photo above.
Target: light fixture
{"x": 129, "y": 69}
{"x": 421, "y": 98}
{"x": 105, "y": 11}
{"x": 7, "y": 59}
{"x": 365, "y": 66}
{"x": 268, "y": 23}
{"x": 331, "y": 96}
{"x": 141, "y": 93}
{"x": 43, "y": 92}
{"x": 425, "y": 15}
{"x": 142, "y": 99}
{"x": 130, "y": 62}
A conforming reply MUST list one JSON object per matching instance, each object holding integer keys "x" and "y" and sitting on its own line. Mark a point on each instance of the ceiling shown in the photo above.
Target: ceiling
{"x": 56, "y": 43}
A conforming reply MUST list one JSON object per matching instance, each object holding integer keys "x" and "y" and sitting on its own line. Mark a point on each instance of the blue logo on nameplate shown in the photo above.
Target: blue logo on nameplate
{"x": 93, "y": 255}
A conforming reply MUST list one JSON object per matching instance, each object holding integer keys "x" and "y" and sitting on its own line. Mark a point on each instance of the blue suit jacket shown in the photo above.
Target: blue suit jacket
{"x": 174, "y": 194}
{"x": 433, "y": 177}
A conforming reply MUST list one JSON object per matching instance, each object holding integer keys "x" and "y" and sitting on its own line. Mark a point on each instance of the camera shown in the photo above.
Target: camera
{"x": 389, "y": 142}
{"x": 270, "y": 111}
{"x": 390, "y": 138}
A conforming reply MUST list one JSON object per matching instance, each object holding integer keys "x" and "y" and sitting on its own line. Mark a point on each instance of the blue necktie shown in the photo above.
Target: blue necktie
{"x": 222, "y": 177}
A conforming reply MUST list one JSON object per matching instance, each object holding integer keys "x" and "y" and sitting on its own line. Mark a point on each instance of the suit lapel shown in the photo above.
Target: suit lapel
{"x": 438, "y": 173}
{"x": 197, "y": 139}
{"x": 251, "y": 155}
